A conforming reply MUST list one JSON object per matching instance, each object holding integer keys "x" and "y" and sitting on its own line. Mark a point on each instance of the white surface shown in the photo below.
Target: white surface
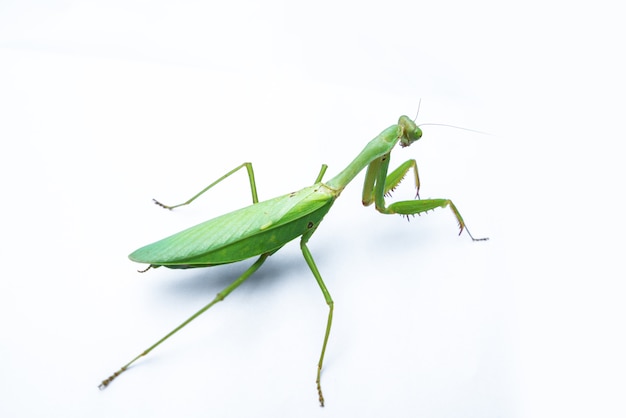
{"x": 104, "y": 105}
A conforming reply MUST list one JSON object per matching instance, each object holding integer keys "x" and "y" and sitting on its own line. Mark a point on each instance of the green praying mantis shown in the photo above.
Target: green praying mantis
{"x": 263, "y": 228}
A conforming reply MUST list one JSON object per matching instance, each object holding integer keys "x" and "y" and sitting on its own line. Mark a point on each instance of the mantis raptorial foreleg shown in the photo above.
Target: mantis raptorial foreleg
{"x": 415, "y": 207}
{"x": 378, "y": 185}
{"x": 391, "y": 181}
{"x": 398, "y": 174}
{"x": 248, "y": 166}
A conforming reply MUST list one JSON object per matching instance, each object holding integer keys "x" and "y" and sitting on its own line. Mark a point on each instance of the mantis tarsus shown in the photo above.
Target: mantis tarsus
{"x": 262, "y": 228}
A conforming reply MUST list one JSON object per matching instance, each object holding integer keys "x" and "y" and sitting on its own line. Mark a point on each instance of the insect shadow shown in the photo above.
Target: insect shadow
{"x": 274, "y": 273}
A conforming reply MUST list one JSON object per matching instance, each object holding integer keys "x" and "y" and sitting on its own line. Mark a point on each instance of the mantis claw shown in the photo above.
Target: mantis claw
{"x": 108, "y": 380}
{"x": 156, "y": 202}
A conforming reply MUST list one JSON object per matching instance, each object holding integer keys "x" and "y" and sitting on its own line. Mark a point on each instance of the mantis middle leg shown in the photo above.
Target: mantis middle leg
{"x": 248, "y": 166}
{"x": 329, "y": 301}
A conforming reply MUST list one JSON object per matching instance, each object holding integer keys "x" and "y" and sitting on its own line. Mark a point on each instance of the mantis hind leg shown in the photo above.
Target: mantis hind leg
{"x": 218, "y": 298}
{"x": 248, "y": 166}
{"x": 329, "y": 301}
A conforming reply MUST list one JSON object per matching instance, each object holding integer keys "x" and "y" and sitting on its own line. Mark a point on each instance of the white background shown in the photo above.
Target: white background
{"x": 107, "y": 104}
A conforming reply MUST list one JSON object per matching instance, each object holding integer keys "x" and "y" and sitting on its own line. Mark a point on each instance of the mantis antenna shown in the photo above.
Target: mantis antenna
{"x": 418, "y": 110}
{"x": 456, "y": 127}
{"x": 443, "y": 124}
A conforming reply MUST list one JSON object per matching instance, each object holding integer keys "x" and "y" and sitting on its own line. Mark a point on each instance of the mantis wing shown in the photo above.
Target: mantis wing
{"x": 257, "y": 229}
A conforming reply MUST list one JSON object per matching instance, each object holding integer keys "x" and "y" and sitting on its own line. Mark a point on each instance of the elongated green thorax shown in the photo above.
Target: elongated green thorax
{"x": 376, "y": 148}
{"x": 406, "y": 131}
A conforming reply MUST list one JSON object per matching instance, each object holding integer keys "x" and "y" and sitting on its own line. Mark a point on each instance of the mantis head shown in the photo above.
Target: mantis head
{"x": 408, "y": 131}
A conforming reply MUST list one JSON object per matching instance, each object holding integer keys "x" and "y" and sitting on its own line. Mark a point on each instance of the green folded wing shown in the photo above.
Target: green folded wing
{"x": 244, "y": 233}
